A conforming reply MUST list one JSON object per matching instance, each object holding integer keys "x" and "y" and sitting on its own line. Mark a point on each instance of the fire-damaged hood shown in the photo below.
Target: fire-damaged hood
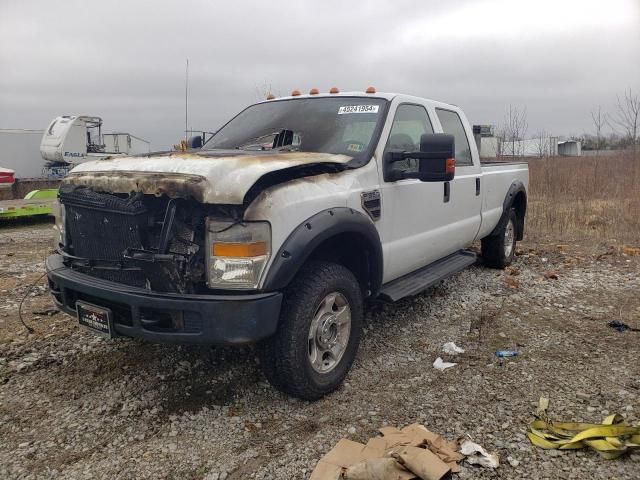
{"x": 216, "y": 177}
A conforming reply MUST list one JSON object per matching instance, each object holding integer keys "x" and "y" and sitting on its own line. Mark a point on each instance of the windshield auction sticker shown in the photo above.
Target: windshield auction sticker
{"x": 358, "y": 109}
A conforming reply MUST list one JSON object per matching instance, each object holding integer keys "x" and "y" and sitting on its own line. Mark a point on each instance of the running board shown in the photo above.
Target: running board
{"x": 415, "y": 282}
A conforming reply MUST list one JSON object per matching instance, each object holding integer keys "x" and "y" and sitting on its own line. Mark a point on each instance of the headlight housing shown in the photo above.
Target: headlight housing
{"x": 59, "y": 234}
{"x": 237, "y": 253}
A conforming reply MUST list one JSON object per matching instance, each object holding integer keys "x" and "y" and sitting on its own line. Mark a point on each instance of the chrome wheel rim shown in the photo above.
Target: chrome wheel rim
{"x": 329, "y": 332}
{"x": 509, "y": 237}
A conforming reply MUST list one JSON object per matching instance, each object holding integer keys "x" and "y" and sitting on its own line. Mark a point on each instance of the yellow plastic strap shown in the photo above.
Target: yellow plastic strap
{"x": 610, "y": 439}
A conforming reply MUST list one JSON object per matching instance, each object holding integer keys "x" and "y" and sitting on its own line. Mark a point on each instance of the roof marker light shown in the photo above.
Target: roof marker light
{"x": 295, "y": 93}
{"x": 271, "y": 96}
{"x": 314, "y": 91}
{"x": 371, "y": 90}
{"x": 334, "y": 90}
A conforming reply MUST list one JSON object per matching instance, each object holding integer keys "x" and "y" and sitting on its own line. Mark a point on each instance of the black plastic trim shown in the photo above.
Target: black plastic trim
{"x": 221, "y": 319}
{"x": 307, "y": 236}
{"x": 516, "y": 187}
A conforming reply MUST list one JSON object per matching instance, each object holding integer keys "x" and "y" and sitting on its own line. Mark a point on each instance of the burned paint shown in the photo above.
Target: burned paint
{"x": 158, "y": 184}
{"x": 208, "y": 177}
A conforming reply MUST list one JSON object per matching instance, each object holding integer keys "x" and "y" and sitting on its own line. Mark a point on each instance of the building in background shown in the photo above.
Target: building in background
{"x": 486, "y": 141}
{"x": 20, "y": 151}
{"x": 570, "y": 148}
{"x": 491, "y": 146}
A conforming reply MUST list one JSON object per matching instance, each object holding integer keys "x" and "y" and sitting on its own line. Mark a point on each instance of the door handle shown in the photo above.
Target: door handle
{"x": 447, "y": 192}
{"x": 477, "y": 186}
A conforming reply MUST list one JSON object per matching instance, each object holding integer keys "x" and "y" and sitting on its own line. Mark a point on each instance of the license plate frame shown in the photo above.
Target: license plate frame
{"x": 95, "y": 318}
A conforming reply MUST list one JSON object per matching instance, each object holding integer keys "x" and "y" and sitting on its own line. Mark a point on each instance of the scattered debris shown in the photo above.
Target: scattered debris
{"x": 49, "y": 312}
{"x": 611, "y": 439}
{"x": 512, "y": 271}
{"x": 631, "y": 251}
{"x": 476, "y": 455}
{"x": 551, "y": 275}
{"x": 621, "y": 326}
{"x": 511, "y": 282}
{"x": 506, "y": 353}
{"x": 412, "y": 452}
{"x": 451, "y": 348}
{"x": 439, "y": 364}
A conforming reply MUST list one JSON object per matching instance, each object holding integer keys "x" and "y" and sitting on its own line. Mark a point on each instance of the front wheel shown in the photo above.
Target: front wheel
{"x": 318, "y": 333}
{"x": 498, "y": 250}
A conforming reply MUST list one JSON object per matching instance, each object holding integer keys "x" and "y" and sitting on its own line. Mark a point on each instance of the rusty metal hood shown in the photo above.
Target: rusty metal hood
{"x": 216, "y": 177}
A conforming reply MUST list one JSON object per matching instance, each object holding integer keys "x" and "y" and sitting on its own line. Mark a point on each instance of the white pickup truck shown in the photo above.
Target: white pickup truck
{"x": 279, "y": 228}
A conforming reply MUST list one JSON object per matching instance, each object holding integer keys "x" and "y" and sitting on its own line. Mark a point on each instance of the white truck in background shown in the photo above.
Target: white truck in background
{"x": 280, "y": 227}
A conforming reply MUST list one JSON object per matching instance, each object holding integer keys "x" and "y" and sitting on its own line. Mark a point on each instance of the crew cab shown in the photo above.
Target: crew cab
{"x": 281, "y": 226}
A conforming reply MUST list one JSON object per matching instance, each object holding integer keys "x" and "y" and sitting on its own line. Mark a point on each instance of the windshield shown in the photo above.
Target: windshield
{"x": 338, "y": 125}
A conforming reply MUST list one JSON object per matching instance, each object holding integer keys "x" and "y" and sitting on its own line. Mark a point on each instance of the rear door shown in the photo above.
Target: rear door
{"x": 465, "y": 199}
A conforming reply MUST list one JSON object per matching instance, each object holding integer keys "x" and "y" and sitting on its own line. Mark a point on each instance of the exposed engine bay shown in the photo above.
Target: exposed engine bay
{"x": 140, "y": 240}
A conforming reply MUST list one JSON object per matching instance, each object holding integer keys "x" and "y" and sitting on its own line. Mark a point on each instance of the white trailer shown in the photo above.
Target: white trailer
{"x": 76, "y": 139}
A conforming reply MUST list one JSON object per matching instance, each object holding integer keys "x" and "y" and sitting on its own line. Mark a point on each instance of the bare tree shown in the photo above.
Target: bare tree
{"x": 542, "y": 142}
{"x": 627, "y": 116}
{"x": 501, "y": 137}
{"x": 515, "y": 128}
{"x": 599, "y": 120}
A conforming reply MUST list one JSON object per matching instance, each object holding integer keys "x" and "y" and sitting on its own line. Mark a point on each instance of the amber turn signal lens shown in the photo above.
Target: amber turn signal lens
{"x": 450, "y": 166}
{"x": 224, "y": 249}
{"x": 334, "y": 90}
{"x": 371, "y": 90}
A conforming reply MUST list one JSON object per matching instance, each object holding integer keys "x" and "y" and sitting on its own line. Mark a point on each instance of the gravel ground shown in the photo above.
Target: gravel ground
{"x": 75, "y": 405}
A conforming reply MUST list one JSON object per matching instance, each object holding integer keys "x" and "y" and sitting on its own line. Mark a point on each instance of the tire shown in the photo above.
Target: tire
{"x": 499, "y": 250}
{"x": 308, "y": 303}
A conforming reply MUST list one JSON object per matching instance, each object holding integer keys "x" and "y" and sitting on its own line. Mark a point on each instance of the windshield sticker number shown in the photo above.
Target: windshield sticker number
{"x": 358, "y": 109}
{"x": 355, "y": 147}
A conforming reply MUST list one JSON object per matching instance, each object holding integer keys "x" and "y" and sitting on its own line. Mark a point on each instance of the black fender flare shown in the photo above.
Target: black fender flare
{"x": 311, "y": 233}
{"x": 516, "y": 187}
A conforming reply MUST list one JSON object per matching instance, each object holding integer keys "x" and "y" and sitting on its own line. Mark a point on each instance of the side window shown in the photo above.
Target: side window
{"x": 452, "y": 125}
{"x": 409, "y": 123}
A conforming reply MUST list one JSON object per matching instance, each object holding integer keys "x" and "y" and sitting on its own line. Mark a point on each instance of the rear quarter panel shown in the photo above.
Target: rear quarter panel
{"x": 496, "y": 180}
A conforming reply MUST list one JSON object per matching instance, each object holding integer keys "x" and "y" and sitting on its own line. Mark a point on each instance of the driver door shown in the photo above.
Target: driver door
{"x": 414, "y": 213}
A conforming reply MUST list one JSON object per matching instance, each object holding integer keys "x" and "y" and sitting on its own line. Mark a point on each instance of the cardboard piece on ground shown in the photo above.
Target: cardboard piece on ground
{"x": 438, "y": 456}
{"x": 423, "y": 463}
{"x": 447, "y": 451}
{"x": 345, "y": 454}
{"x": 394, "y": 437}
{"x": 378, "y": 469}
{"x": 326, "y": 471}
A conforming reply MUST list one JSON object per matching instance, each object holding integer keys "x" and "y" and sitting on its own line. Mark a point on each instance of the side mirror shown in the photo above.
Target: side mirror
{"x": 436, "y": 159}
{"x": 194, "y": 142}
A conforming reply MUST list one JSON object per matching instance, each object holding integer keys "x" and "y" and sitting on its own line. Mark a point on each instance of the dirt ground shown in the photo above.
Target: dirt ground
{"x": 73, "y": 405}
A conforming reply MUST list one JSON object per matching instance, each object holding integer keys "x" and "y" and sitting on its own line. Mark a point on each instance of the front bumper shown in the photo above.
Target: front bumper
{"x": 168, "y": 317}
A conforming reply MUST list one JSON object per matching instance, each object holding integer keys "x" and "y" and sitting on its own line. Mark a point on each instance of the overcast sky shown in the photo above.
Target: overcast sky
{"x": 125, "y": 61}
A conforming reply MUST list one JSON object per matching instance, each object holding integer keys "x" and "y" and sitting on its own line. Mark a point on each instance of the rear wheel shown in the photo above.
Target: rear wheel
{"x": 318, "y": 333}
{"x": 499, "y": 250}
